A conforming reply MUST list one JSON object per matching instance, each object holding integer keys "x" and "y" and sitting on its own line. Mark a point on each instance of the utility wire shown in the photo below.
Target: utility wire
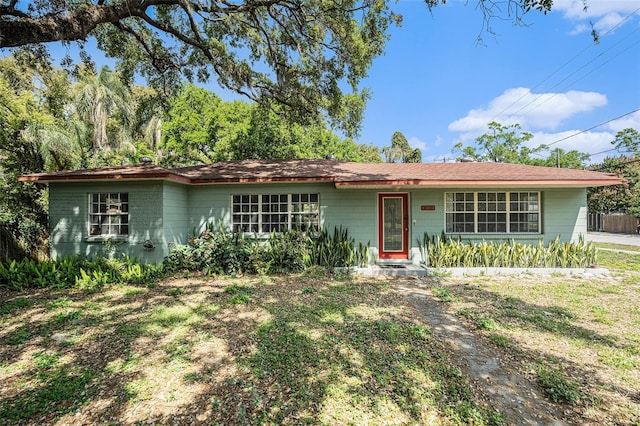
{"x": 536, "y": 99}
{"x": 637, "y": 160}
{"x": 564, "y": 65}
{"x": 593, "y": 127}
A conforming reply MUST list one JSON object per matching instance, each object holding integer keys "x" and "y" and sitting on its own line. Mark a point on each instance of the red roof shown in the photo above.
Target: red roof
{"x": 345, "y": 174}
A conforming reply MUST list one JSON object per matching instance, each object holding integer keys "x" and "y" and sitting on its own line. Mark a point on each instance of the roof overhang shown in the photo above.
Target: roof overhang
{"x": 101, "y": 178}
{"x": 473, "y": 184}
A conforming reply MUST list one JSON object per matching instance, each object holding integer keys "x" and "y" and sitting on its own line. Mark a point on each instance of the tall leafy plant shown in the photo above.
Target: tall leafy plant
{"x": 445, "y": 252}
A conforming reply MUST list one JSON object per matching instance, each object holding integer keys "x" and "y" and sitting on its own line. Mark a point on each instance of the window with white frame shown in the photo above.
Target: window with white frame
{"x": 264, "y": 213}
{"x": 109, "y": 213}
{"x": 492, "y": 212}
{"x": 460, "y": 212}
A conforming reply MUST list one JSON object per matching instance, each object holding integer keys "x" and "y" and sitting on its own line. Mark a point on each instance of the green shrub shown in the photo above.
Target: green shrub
{"x": 93, "y": 281}
{"x": 213, "y": 253}
{"x": 333, "y": 250}
{"x": 446, "y": 252}
{"x": 74, "y": 270}
{"x": 231, "y": 253}
{"x": 285, "y": 252}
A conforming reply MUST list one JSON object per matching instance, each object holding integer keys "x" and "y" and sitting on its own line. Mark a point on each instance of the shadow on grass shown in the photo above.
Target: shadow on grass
{"x": 194, "y": 352}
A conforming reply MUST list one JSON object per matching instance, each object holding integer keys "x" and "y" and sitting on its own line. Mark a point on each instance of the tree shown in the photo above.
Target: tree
{"x": 558, "y": 157}
{"x": 186, "y": 137}
{"x": 22, "y": 204}
{"x": 400, "y": 151}
{"x": 99, "y": 96}
{"x": 501, "y": 144}
{"x": 624, "y": 197}
{"x": 628, "y": 140}
{"x": 312, "y": 49}
{"x": 507, "y": 144}
{"x": 619, "y": 198}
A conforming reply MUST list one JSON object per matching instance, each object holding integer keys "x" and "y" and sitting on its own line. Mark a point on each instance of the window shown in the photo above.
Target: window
{"x": 488, "y": 212}
{"x": 266, "y": 213}
{"x": 459, "y": 212}
{"x": 109, "y": 213}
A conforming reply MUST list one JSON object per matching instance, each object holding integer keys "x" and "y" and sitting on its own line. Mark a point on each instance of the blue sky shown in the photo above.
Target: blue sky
{"x": 438, "y": 86}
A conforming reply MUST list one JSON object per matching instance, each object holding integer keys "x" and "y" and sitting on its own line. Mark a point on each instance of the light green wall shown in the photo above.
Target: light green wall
{"x": 68, "y": 218}
{"x": 564, "y": 214}
{"x": 175, "y": 199}
{"x": 166, "y": 212}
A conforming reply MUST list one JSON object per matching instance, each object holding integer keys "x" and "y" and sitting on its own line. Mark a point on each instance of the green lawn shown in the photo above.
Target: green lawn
{"x": 612, "y": 246}
{"x": 292, "y": 350}
{"x": 578, "y": 337}
{"x": 315, "y": 349}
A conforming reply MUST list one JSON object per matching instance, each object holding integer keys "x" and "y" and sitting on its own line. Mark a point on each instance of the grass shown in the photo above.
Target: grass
{"x": 557, "y": 385}
{"x": 619, "y": 261}
{"x": 577, "y": 337}
{"x": 316, "y": 350}
{"x": 284, "y": 350}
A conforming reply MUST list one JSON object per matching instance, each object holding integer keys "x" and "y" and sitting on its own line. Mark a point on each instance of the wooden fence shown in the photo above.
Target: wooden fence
{"x": 617, "y": 223}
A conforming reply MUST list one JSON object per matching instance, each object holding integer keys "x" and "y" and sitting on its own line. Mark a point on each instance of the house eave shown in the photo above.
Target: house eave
{"x": 473, "y": 184}
{"x": 261, "y": 180}
{"x": 101, "y": 178}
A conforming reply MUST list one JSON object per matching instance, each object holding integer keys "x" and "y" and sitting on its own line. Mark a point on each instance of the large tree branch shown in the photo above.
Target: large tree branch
{"x": 19, "y": 29}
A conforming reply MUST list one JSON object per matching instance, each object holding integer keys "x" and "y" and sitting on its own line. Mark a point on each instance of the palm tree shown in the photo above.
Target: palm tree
{"x": 102, "y": 96}
{"x": 60, "y": 148}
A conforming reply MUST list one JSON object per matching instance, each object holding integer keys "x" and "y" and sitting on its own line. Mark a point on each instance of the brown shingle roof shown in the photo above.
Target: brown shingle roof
{"x": 135, "y": 171}
{"x": 347, "y": 174}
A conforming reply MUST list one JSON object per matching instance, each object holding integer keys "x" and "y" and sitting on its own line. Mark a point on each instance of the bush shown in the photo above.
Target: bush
{"x": 213, "y": 253}
{"x": 287, "y": 252}
{"x": 293, "y": 251}
{"x": 446, "y": 252}
{"x": 332, "y": 250}
{"x": 79, "y": 271}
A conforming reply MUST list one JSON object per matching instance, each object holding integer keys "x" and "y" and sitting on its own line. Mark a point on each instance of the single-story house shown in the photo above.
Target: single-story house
{"x": 149, "y": 208}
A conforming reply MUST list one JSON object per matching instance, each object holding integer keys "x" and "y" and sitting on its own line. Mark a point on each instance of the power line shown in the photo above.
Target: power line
{"x": 637, "y": 160}
{"x": 575, "y": 72}
{"x": 602, "y": 152}
{"x": 563, "y": 66}
{"x": 593, "y": 127}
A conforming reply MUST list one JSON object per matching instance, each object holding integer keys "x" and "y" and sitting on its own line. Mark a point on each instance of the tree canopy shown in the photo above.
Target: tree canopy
{"x": 51, "y": 120}
{"x": 307, "y": 55}
{"x": 509, "y": 144}
{"x": 400, "y": 151}
{"x": 624, "y": 197}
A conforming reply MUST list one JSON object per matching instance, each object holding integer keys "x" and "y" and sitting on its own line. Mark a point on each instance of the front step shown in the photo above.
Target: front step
{"x": 396, "y": 267}
{"x": 394, "y": 262}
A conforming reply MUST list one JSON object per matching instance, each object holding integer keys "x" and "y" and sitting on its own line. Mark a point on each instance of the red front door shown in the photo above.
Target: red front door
{"x": 393, "y": 226}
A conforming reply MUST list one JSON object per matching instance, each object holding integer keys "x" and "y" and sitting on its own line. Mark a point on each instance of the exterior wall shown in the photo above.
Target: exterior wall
{"x": 166, "y": 212}
{"x": 564, "y": 214}
{"x": 68, "y": 219}
{"x": 175, "y": 215}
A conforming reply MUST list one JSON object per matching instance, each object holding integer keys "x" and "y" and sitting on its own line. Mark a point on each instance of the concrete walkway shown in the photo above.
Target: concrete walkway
{"x": 515, "y": 396}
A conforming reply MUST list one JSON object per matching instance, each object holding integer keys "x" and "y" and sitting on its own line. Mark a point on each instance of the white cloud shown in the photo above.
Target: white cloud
{"x": 589, "y": 142}
{"x": 415, "y": 142}
{"x": 629, "y": 121}
{"x": 544, "y": 111}
{"x": 605, "y": 14}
